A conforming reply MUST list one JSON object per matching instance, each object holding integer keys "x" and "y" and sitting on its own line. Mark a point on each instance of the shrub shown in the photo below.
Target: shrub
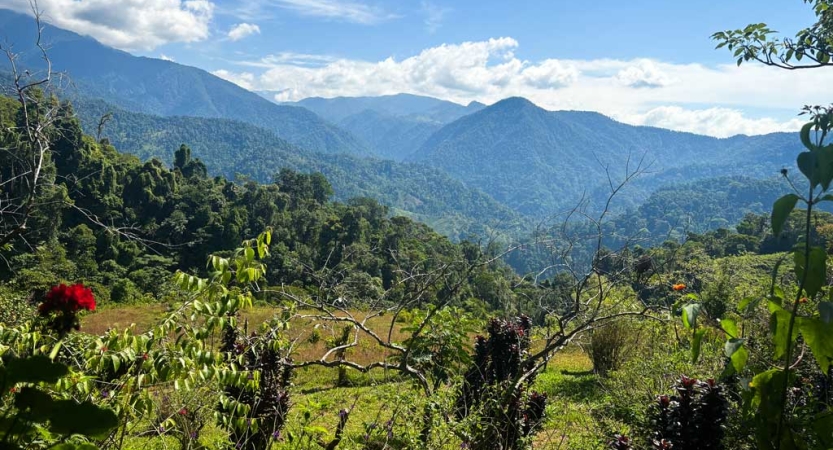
{"x": 256, "y": 412}
{"x": 15, "y": 308}
{"x": 691, "y": 419}
{"x": 609, "y": 346}
{"x": 504, "y": 414}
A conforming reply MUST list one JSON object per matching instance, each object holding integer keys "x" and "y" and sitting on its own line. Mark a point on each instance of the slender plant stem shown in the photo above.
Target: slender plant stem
{"x": 793, "y": 315}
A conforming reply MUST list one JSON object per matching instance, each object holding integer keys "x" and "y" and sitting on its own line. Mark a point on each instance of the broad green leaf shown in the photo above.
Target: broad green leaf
{"x": 806, "y": 140}
{"x": 766, "y": 387}
{"x": 34, "y": 369}
{"x": 808, "y": 163}
{"x": 732, "y": 346}
{"x": 36, "y": 403}
{"x": 746, "y": 305}
{"x": 730, "y": 327}
{"x": 68, "y": 446}
{"x": 690, "y": 313}
{"x": 823, "y": 424}
{"x": 825, "y": 166}
{"x": 737, "y": 354}
{"x": 816, "y": 275}
{"x": 696, "y": 344}
{"x": 819, "y": 337}
{"x": 85, "y": 418}
{"x": 781, "y": 210}
{"x": 779, "y": 323}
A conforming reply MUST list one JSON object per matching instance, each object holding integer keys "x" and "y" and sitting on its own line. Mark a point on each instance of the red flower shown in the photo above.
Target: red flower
{"x": 678, "y": 286}
{"x": 68, "y": 299}
{"x": 183, "y": 412}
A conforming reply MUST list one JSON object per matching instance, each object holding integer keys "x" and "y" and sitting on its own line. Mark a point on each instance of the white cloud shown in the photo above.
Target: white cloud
{"x": 715, "y": 100}
{"x": 644, "y": 73}
{"x": 127, "y": 24}
{"x": 465, "y": 71}
{"x": 289, "y": 58}
{"x": 242, "y": 30}
{"x": 348, "y": 11}
{"x": 165, "y": 57}
{"x": 719, "y": 122}
{"x": 550, "y": 74}
{"x": 245, "y": 80}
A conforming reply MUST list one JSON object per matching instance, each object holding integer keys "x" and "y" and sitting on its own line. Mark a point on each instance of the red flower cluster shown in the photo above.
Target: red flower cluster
{"x": 67, "y": 299}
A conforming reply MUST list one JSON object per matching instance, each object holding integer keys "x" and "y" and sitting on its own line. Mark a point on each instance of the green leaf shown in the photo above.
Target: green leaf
{"x": 807, "y": 164}
{"x": 819, "y": 337}
{"x": 34, "y": 369}
{"x": 806, "y": 139}
{"x": 781, "y": 211}
{"x": 696, "y": 344}
{"x": 690, "y": 313}
{"x": 730, "y": 327}
{"x": 36, "y": 403}
{"x": 746, "y": 305}
{"x": 68, "y": 446}
{"x": 732, "y": 345}
{"x": 85, "y": 418}
{"x": 823, "y": 425}
{"x": 779, "y": 323}
{"x": 816, "y": 275}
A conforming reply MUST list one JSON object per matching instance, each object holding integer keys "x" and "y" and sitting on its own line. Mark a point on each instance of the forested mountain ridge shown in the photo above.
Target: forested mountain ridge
{"x": 399, "y": 105}
{"x": 393, "y": 126}
{"x": 559, "y": 155}
{"x": 124, "y": 225}
{"x": 165, "y": 88}
{"x": 390, "y": 137}
{"x": 230, "y": 148}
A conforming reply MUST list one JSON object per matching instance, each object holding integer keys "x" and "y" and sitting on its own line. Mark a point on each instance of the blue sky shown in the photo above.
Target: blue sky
{"x": 643, "y": 62}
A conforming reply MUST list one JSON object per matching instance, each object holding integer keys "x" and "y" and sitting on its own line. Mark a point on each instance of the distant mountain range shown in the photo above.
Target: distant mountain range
{"x": 230, "y": 148}
{"x": 165, "y": 88}
{"x": 459, "y": 168}
{"x": 393, "y": 126}
{"x": 539, "y": 162}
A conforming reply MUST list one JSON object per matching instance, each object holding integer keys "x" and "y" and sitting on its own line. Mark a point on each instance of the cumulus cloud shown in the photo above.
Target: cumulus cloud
{"x": 165, "y": 57}
{"x": 343, "y": 10}
{"x": 245, "y": 80}
{"x": 466, "y": 71}
{"x": 718, "y": 122}
{"x": 242, "y": 30}
{"x": 127, "y": 24}
{"x": 644, "y": 73}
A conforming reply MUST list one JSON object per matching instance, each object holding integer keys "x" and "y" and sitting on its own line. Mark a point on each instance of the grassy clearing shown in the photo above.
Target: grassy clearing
{"x": 575, "y": 419}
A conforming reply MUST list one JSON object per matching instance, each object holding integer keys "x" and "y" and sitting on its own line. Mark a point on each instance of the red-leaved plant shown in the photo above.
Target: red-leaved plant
{"x": 62, "y": 303}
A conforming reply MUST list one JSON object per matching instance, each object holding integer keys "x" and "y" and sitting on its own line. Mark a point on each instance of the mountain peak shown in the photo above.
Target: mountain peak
{"x": 515, "y": 103}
